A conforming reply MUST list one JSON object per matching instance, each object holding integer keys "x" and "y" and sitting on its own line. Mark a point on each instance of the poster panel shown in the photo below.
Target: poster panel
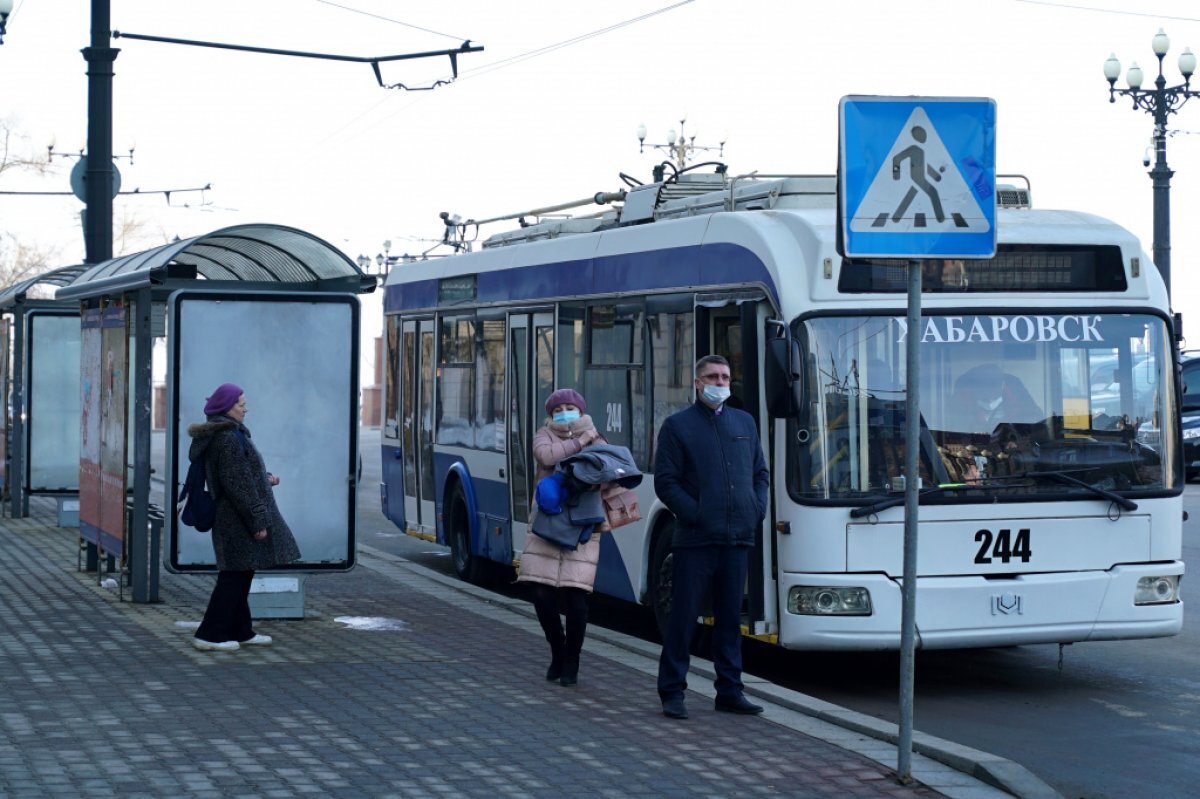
{"x": 113, "y": 412}
{"x": 52, "y": 443}
{"x": 5, "y": 402}
{"x": 296, "y": 358}
{"x": 89, "y": 424}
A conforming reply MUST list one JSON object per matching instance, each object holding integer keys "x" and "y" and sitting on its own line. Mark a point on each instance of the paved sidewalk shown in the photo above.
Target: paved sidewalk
{"x": 103, "y": 698}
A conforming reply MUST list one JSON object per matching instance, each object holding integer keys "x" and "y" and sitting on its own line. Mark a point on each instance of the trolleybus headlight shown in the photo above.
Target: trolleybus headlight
{"x": 1156, "y": 590}
{"x": 831, "y": 600}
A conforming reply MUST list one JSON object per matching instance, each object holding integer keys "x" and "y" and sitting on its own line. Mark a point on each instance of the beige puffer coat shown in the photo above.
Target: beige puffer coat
{"x": 542, "y": 561}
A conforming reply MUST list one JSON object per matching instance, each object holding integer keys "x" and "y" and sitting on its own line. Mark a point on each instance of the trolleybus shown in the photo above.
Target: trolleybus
{"x": 1050, "y": 468}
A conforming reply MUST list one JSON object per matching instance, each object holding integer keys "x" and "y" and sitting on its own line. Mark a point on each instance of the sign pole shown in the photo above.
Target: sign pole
{"x": 912, "y": 487}
{"x": 916, "y": 181}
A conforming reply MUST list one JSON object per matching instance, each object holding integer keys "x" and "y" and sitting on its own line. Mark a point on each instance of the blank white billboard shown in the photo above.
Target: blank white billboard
{"x": 54, "y": 402}
{"x": 296, "y": 358}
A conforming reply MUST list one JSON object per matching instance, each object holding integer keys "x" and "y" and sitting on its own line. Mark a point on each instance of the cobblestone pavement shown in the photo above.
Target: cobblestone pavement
{"x": 100, "y": 697}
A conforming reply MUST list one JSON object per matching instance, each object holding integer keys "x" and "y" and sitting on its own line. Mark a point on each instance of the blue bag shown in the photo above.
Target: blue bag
{"x": 550, "y": 494}
{"x": 199, "y": 506}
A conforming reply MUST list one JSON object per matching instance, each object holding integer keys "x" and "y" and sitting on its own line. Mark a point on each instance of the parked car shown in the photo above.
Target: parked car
{"x": 1189, "y": 422}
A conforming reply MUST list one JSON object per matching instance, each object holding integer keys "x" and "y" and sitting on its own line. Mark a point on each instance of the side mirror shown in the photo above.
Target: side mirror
{"x": 783, "y": 376}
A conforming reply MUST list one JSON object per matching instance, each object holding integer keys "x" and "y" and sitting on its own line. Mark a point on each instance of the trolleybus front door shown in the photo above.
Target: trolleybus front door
{"x": 530, "y": 381}
{"x": 416, "y": 437}
{"x": 731, "y": 325}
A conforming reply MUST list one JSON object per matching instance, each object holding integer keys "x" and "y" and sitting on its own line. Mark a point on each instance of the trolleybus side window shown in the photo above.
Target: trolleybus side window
{"x": 391, "y": 381}
{"x": 408, "y": 382}
{"x": 614, "y": 380}
{"x": 671, "y": 330}
{"x": 570, "y": 344}
{"x": 456, "y": 384}
{"x": 489, "y": 392}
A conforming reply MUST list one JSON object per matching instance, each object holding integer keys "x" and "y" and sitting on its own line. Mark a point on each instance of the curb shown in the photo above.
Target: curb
{"x": 993, "y": 770}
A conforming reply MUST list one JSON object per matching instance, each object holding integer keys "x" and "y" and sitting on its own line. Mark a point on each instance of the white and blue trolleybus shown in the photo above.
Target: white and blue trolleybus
{"x": 1050, "y": 467}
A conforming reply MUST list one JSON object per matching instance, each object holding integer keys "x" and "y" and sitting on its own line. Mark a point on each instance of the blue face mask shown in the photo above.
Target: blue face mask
{"x": 566, "y": 417}
{"x": 715, "y": 394}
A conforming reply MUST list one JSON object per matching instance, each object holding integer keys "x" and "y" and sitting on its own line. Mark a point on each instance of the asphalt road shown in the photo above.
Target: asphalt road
{"x": 1114, "y": 719}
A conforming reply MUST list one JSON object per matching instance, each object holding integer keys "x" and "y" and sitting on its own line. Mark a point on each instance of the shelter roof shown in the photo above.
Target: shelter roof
{"x": 261, "y": 254}
{"x": 18, "y": 292}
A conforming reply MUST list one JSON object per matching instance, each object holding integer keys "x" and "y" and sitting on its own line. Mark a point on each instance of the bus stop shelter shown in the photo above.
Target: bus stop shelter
{"x": 39, "y": 421}
{"x": 237, "y": 288}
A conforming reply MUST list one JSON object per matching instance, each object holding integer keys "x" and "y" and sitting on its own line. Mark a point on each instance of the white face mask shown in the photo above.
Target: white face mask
{"x": 715, "y": 395}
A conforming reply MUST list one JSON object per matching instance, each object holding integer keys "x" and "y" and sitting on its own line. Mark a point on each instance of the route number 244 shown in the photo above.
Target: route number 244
{"x": 1003, "y": 546}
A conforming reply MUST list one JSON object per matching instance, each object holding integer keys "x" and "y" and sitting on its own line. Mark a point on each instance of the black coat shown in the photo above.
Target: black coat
{"x": 710, "y": 472}
{"x": 245, "y": 499}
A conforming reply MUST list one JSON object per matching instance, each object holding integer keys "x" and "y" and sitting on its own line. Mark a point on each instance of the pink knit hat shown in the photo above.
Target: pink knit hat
{"x": 566, "y": 396}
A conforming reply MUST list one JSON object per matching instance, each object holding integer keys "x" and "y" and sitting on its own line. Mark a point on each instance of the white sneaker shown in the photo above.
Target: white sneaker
{"x": 215, "y": 646}
{"x": 258, "y": 640}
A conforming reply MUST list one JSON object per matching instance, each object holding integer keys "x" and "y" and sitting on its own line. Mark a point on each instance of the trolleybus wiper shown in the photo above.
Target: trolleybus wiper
{"x": 898, "y": 499}
{"x": 1062, "y": 477}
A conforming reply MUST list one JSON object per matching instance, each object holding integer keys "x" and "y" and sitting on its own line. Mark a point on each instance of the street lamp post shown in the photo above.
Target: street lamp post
{"x": 97, "y": 227}
{"x": 6, "y": 7}
{"x": 1160, "y": 102}
{"x": 680, "y": 149}
{"x": 384, "y": 262}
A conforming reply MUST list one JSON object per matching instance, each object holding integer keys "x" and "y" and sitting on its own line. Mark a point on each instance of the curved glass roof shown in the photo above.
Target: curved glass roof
{"x": 17, "y": 292}
{"x": 257, "y": 253}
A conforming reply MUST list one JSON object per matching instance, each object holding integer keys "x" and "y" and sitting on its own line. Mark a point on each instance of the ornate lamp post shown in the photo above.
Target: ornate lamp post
{"x": 680, "y": 149}
{"x": 1160, "y": 102}
{"x": 6, "y": 7}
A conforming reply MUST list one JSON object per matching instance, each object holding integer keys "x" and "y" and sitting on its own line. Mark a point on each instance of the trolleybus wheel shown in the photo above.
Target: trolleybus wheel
{"x": 661, "y": 566}
{"x": 458, "y": 530}
{"x": 661, "y": 577}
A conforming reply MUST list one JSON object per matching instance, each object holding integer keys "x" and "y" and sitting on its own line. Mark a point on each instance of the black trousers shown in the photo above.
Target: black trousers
{"x": 548, "y": 602}
{"x": 228, "y": 615}
{"x": 719, "y": 572}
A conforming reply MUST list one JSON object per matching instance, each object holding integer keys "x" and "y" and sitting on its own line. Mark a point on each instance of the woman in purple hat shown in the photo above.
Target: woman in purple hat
{"x": 249, "y": 532}
{"x": 561, "y": 577}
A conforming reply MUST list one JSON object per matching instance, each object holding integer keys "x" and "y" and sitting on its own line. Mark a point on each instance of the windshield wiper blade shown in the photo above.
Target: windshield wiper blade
{"x": 1062, "y": 477}
{"x": 898, "y": 499}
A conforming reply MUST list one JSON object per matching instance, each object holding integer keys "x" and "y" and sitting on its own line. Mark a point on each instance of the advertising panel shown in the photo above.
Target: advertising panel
{"x": 295, "y": 356}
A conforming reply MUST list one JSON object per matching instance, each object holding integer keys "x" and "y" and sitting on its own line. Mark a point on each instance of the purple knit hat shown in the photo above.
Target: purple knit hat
{"x": 224, "y": 398}
{"x": 566, "y": 396}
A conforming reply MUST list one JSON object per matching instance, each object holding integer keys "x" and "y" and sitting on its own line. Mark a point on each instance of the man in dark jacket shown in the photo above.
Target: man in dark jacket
{"x": 710, "y": 472}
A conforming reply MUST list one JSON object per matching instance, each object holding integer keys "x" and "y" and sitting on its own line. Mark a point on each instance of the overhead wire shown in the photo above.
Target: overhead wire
{"x": 464, "y": 74}
{"x": 1074, "y": 7}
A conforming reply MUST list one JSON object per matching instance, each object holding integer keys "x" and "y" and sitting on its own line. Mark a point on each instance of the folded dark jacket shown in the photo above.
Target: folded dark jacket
{"x": 603, "y": 463}
{"x": 581, "y": 513}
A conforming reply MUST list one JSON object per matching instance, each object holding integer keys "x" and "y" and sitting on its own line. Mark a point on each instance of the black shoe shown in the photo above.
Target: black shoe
{"x": 673, "y": 708}
{"x": 555, "y": 670}
{"x": 570, "y": 671}
{"x": 737, "y": 704}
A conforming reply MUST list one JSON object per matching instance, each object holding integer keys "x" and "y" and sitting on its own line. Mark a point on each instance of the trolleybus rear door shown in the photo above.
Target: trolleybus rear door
{"x": 530, "y": 381}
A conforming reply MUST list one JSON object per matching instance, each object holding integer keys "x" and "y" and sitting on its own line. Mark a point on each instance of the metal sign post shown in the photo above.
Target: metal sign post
{"x": 916, "y": 180}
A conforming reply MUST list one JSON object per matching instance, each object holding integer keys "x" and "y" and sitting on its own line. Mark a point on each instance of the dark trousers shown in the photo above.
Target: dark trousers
{"x": 549, "y": 602}
{"x": 719, "y": 571}
{"x": 228, "y": 614}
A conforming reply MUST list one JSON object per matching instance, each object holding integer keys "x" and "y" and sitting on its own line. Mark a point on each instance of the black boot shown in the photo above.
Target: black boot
{"x": 555, "y": 671}
{"x": 577, "y": 614}
{"x": 545, "y": 603}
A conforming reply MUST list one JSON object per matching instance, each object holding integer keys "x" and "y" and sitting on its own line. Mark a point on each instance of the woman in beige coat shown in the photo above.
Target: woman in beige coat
{"x": 562, "y": 577}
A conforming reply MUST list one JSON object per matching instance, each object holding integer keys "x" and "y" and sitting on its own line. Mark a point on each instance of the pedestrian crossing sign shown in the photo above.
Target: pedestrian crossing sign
{"x": 917, "y": 177}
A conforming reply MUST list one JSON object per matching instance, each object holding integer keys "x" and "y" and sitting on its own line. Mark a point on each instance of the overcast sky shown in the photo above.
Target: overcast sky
{"x": 319, "y": 146}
